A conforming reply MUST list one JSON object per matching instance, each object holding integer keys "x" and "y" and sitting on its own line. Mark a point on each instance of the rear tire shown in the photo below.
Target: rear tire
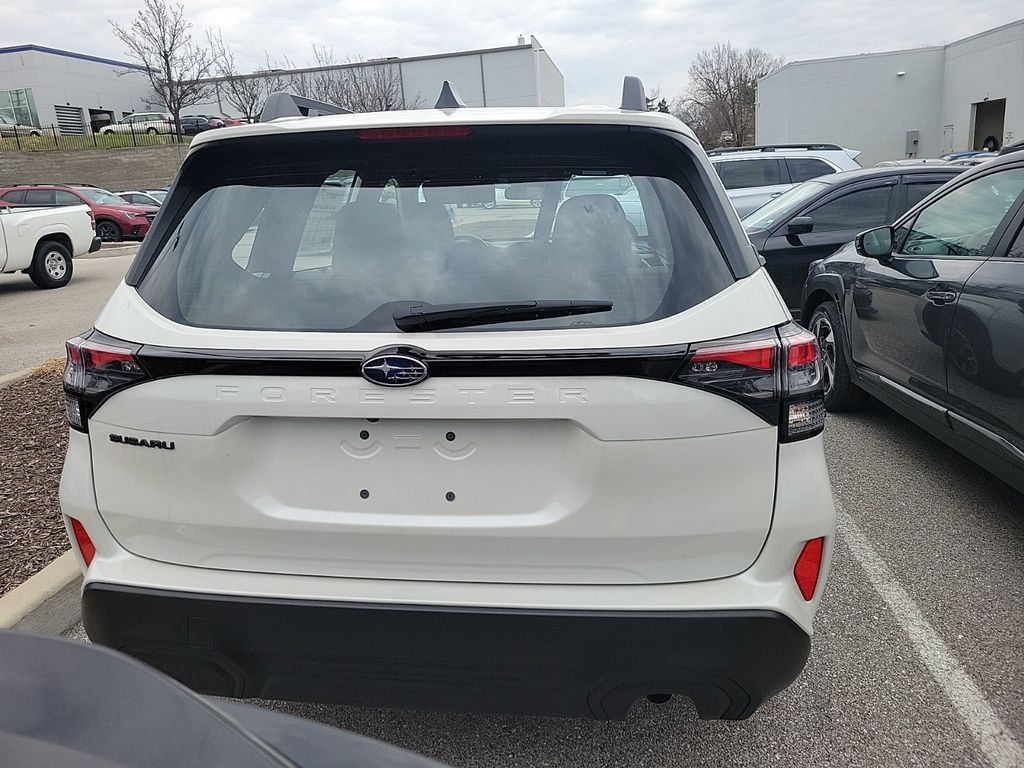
{"x": 841, "y": 393}
{"x": 51, "y": 265}
{"x": 152, "y": 131}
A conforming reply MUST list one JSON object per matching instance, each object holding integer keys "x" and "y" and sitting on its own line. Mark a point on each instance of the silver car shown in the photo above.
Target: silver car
{"x": 754, "y": 175}
{"x": 9, "y": 128}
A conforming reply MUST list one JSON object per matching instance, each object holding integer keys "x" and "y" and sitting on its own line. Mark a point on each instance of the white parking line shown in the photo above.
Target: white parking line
{"x": 994, "y": 739}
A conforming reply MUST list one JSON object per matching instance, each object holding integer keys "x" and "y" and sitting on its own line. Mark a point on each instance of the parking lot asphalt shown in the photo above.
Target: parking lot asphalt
{"x": 35, "y": 323}
{"x": 917, "y": 660}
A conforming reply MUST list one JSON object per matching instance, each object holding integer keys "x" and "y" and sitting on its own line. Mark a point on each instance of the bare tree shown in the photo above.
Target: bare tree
{"x": 656, "y": 102}
{"x": 357, "y": 84}
{"x": 160, "y": 39}
{"x": 723, "y": 89}
{"x": 245, "y": 92}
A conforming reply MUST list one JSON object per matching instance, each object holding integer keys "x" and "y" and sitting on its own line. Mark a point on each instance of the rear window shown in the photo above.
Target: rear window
{"x": 804, "y": 168}
{"x": 340, "y": 233}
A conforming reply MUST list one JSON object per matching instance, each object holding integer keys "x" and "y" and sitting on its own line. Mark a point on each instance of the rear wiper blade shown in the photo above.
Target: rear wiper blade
{"x": 435, "y": 317}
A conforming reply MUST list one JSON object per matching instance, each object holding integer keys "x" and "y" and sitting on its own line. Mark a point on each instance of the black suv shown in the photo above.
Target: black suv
{"x": 928, "y": 316}
{"x": 814, "y": 219}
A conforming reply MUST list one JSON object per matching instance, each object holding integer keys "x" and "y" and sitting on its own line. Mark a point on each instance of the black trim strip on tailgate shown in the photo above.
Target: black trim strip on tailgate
{"x": 658, "y": 363}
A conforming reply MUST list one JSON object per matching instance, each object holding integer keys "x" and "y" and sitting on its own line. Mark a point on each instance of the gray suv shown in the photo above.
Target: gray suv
{"x": 754, "y": 175}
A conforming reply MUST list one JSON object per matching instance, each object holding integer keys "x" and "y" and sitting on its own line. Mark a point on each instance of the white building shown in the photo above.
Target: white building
{"x": 77, "y": 92}
{"x": 920, "y": 102}
{"x": 44, "y": 86}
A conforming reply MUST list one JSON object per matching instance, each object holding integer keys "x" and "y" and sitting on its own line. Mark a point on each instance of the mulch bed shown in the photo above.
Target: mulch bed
{"x": 33, "y": 438}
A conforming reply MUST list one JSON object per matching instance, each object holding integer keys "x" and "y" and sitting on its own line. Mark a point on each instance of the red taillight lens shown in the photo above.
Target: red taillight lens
{"x": 96, "y": 366}
{"x": 82, "y": 540}
{"x": 808, "y": 567}
{"x": 758, "y": 355}
{"x": 415, "y": 132}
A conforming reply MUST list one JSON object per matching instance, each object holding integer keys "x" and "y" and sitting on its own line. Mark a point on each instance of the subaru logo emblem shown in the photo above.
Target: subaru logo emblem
{"x": 394, "y": 370}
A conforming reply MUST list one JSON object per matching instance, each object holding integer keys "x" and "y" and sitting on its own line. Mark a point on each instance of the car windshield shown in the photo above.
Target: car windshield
{"x": 441, "y": 223}
{"x": 783, "y": 206}
{"x": 100, "y": 196}
{"x": 159, "y": 196}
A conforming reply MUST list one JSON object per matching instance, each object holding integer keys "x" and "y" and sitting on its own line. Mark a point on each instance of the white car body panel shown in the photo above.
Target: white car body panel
{"x": 554, "y": 480}
{"x": 803, "y": 509}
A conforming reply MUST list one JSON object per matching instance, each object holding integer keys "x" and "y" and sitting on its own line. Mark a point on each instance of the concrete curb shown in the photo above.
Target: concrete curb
{"x": 48, "y": 603}
{"x": 13, "y": 378}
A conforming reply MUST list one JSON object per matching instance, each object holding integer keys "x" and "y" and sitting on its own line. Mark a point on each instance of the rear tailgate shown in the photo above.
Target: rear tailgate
{"x": 529, "y": 480}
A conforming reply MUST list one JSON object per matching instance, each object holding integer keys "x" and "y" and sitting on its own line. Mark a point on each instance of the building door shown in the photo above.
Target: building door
{"x": 947, "y": 140}
{"x": 989, "y": 117}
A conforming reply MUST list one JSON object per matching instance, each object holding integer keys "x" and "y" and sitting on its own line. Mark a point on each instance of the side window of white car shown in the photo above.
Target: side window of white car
{"x": 756, "y": 172}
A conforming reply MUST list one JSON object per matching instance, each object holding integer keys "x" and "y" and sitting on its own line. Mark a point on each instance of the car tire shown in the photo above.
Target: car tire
{"x": 108, "y": 231}
{"x": 51, "y": 265}
{"x": 490, "y": 206}
{"x": 152, "y": 131}
{"x": 37, "y": 134}
{"x": 841, "y": 393}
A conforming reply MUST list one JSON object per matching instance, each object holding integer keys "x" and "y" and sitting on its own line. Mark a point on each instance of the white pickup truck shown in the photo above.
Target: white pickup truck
{"x": 42, "y": 242}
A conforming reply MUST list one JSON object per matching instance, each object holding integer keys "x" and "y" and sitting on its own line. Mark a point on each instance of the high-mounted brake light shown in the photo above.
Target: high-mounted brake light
{"x": 808, "y": 567}
{"x": 97, "y": 366}
{"x": 415, "y": 132}
{"x": 85, "y": 546}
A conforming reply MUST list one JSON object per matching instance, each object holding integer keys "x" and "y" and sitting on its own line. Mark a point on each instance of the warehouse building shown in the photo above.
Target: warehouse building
{"x": 81, "y": 93}
{"x": 921, "y": 102}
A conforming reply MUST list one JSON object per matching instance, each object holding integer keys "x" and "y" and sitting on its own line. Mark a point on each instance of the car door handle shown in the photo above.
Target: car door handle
{"x": 939, "y": 297}
{"x": 773, "y": 195}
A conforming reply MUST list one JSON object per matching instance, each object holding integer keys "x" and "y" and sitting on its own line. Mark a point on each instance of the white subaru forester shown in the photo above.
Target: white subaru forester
{"x": 346, "y": 433}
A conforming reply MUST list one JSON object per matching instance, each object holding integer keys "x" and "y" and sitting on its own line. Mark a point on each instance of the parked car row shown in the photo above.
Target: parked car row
{"x": 116, "y": 218}
{"x": 163, "y": 122}
{"x": 926, "y": 314}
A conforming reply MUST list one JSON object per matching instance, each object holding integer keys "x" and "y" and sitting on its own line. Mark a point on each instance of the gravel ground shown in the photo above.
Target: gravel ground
{"x": 32, "y": 446}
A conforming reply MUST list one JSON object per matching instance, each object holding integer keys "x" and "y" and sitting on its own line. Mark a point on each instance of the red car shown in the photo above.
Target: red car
{"x": 116, "y": 219}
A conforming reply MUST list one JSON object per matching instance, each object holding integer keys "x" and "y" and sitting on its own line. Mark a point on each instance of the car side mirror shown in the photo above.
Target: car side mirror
{"x": 801, "y": 225}
{"x": 875, "y": 243}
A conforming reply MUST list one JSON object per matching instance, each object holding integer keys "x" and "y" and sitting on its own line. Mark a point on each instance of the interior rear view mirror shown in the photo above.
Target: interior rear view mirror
{"x": 449, "y": 194}
{"x": 801, "y": 225}
{"x": 522, "y": 191}
{"x": 875, "y": 243}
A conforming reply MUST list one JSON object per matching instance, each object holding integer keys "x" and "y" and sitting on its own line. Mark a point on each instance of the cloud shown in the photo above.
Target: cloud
{"x": 594, "y": 43}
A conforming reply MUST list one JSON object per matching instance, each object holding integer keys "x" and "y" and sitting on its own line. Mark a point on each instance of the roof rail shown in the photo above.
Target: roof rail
{"x": 284, "y": 104}
{"x": 634, "y": 97}
{"x": 449, "y": 97}
{"x": 772, "y": 148}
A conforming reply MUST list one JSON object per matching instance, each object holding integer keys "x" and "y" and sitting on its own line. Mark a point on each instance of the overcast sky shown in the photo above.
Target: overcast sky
{"x": 594, "y": 43}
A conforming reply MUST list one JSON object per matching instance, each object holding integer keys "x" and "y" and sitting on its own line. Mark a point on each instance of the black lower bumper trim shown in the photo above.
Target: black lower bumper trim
{"x": 95, "y": 245}
{"x": 571, "y": 663}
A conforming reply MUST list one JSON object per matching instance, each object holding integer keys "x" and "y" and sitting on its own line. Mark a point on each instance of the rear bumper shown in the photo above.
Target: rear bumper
{"x": 95, "y": 245}
{"x": 553, "y": 662}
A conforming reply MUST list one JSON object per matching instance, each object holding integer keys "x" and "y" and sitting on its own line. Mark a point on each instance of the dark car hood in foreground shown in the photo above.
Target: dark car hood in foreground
{"x": 73, "y": 704}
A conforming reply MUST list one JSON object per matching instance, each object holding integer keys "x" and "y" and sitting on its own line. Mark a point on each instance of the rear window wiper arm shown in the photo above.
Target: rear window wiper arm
{"x": 435, "y": 317}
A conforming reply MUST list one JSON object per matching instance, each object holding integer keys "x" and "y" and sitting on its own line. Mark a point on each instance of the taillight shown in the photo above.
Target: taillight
{"x": 803, "y": 393}
{"x": 415, "y": 132}
{"x": 808, "y": 567}
{"x": 96, "y": 367}
{"x": 85, "y": 546}
{"x": 774, "y": 373}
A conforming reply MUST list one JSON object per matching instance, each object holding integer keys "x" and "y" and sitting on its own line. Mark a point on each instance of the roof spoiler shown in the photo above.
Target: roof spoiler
{"x": 283, "y": 104}
{"x": 634, "y": 97}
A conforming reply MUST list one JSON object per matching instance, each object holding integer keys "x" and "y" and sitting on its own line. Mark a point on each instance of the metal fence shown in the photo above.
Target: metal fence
{"x": 149, "y": 134}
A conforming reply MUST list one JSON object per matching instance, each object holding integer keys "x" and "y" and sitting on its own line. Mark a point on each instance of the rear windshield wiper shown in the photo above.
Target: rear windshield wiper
{"x": 435, "y": 317}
